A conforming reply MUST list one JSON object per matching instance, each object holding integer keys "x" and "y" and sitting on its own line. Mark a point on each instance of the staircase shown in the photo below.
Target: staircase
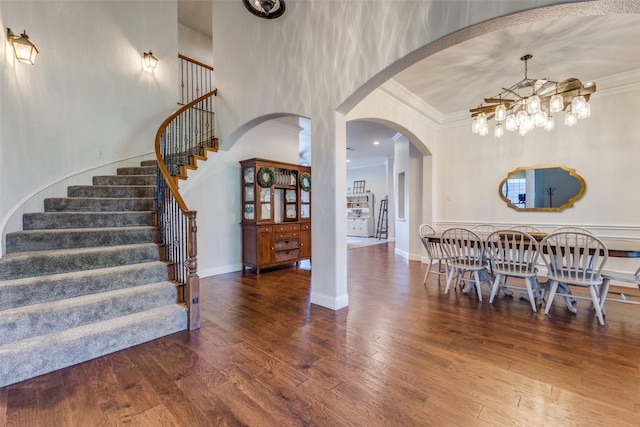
{"x": 84, "y": 278}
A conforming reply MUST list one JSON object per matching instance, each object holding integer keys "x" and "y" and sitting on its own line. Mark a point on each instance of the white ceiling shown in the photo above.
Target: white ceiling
{"x": 458, "y": 78}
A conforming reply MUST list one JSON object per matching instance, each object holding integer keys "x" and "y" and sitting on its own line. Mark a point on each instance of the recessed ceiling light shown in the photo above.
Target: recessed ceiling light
{"x": 348, "y": 161}
{"x": 376, "y": 142}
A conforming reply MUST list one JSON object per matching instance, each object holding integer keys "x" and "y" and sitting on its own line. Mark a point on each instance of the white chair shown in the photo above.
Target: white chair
{"x": 609, "y": 275}
{"x": 525, "y": 228}
{"x": 465, "y": 252}
{"x": 513, "y": 253}
{"x": 580, "y": 229}
{"x": 434, "y": 252}
{"x": 484, "y": 229}
{"x": 575, "y": 258}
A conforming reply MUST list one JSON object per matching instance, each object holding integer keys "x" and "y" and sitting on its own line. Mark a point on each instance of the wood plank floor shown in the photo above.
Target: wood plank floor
{"x": 401, "y": 354}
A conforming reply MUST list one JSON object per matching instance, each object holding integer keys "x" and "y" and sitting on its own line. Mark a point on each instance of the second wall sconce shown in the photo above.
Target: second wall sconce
{"x": 24, "y": 50}
{"x": 150, "y": 61}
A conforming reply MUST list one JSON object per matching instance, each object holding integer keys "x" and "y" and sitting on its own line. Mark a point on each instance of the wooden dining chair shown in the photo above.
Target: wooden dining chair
{"x": 513, "y": 253}
{"x": 575, "y": 259}
{"x": 434, "y": 252}
{"x": 465, "y": 252}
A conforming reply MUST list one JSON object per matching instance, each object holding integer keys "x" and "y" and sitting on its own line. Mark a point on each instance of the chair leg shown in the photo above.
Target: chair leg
{"x": 604, "y": 290}
{"x": 532, "y": 299}
{"x": 496, "y": 286}
{"x": 552, "y": 294}
{"x": 596, "y": 303}
{"x": 424, "y": 282}
{"x": 476, "y": 276}
{"x": 449, "y": 279}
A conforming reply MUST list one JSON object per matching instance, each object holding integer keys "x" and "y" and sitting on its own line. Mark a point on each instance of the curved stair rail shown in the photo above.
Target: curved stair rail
{"x": 183, "y": 138}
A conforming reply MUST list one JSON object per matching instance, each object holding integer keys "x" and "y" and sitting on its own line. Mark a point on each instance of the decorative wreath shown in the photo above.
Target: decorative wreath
{"x": 305, "y": 181}
{"x": 265, "y": 173}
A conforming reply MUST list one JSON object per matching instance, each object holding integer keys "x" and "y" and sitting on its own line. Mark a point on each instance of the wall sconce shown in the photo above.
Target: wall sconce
{"x": 24, "y": 50}
{"x": 150, "y": 61}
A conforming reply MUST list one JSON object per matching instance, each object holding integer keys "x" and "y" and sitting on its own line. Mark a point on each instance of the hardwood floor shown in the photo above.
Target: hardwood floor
{"x": 401, "y": 354}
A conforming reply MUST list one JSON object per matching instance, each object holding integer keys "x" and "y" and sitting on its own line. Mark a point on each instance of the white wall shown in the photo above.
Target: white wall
{"x": 87, "y": 102}
{"x": 375, "y": 177}
{"x": 195, "y": 45}
{"x": 214, "y": 192}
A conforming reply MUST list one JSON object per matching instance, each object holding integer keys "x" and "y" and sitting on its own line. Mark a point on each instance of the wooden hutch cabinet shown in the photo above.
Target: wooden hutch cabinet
{"x": 276, "y": 213}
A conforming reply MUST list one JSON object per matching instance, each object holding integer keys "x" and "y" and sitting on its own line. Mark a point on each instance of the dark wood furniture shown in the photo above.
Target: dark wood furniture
{"x": 276, "y": 213}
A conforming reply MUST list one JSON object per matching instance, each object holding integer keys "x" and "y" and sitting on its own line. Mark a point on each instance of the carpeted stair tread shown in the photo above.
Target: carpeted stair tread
{"x": 26, "y": 264}
{"x": 97, "y": 204}
{"x": 67, "y": 220}
{"x": 38, "y": 355}
{"x": 112, "y": 191}
{"x": 125, "y": 179}
{"x": 84, "y": 278}
{"x": 40, "y": 240}
{"x": 41, "y": 289}
{"x": 137, "y": 170}
{"x": 40, "y": 319}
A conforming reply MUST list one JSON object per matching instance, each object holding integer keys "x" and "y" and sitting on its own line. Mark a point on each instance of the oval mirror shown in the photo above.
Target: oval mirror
{"x": 542, "y": 188}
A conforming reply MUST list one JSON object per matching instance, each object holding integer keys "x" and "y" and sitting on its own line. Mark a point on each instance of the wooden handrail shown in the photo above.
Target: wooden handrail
{"x": 161, "y": 164}
{"x": 186, "y": 58}
{"x": 186, "y": 254}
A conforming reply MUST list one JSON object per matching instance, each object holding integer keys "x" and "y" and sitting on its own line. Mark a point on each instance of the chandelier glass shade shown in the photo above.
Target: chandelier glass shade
{"x": 531, "y": 103}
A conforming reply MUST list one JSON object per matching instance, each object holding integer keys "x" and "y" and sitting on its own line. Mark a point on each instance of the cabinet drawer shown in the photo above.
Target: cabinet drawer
{"x": 286, "y": 228}
{"x": 305, "y": 227}
{"x": 265, "y": 229}
{"x": 287, "y": 244}
{"x": 286, "y": 235}
{"x": 290, "y": 255}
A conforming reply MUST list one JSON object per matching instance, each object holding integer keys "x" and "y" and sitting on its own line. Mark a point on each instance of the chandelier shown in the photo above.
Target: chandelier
{"x": 531, "y": 103}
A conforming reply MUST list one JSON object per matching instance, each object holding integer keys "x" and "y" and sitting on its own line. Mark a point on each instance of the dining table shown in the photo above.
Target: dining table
{"x": 616, "y": 247}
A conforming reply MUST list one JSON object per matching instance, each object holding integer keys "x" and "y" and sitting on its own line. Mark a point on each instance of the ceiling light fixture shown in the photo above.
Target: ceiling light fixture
{"x": 268, "y": 9}
{"x": 524, "y": 112}
{"x": 24, "y": 50}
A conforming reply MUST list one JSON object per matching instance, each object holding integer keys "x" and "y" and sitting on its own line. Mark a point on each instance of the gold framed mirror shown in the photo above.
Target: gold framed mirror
{"x": 550, "y": 188}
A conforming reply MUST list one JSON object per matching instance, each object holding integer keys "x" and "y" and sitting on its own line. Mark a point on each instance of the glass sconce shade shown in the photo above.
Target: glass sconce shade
{"x": 556, "y": 103}
{"x": 578, "y": 104}
{"x": 540, "y": 118}
{"x": 150, "y": 61}
{"x": 501, "y": 113}
{"x": 550, "y": 124}
{"x": 521, "y": 116}
{"x": 570, "y": 119}
{"x": 511, "y": 123}
{"x": 533, "y": 104}
{"x": 482, "y": 119}
{"x": 585, "y": 111}
{"x": 24, "y": 50}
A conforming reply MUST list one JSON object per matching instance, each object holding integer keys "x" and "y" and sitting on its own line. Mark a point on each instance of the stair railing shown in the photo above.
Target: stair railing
{"x": 184, "y": 134}
{"x": 196, "y": 79}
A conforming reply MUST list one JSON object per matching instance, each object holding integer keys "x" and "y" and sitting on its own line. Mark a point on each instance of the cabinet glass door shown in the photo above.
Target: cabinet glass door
{"x": 305, "y": 204}
{"x": 266, "y": 212}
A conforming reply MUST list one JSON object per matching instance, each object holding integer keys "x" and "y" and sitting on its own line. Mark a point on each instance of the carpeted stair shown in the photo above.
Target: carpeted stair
{"x": 84, "y": 278}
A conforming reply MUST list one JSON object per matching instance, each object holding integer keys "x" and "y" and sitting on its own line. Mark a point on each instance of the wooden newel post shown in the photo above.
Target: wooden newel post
{"x": 192, "y": 288}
